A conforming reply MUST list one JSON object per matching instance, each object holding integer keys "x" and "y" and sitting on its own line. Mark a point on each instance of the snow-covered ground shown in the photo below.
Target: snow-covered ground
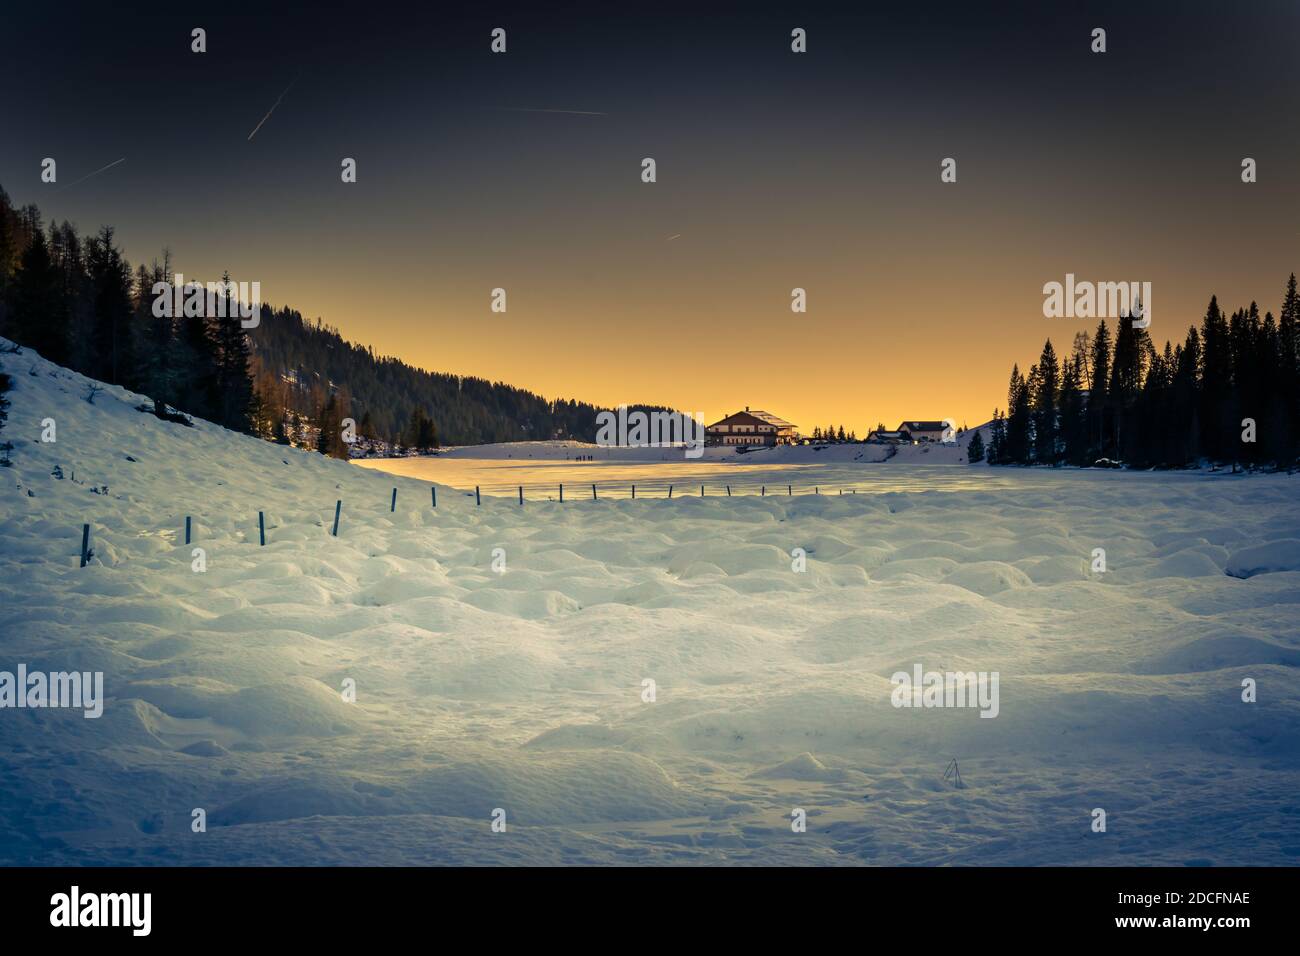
{"x": 541, "y": 467}
{"x": 933, "y": 453}
{"x": 524, "y": 690}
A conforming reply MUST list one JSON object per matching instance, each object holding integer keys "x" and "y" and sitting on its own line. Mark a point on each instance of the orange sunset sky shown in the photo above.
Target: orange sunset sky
{"x": 775, "y": 170}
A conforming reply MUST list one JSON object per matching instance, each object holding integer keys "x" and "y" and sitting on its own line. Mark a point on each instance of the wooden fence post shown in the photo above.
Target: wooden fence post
{"x": 261, "y": 528}
{"x": 393, "y": 506}
{"x": 187, "y": 529}
{"x": 434, "y": 489}
{"x": 561, "y": 492}
{"x": 477, "y": 500}
{"x": 593, "y": 492}
{"x": 85, "y": 544}
{"x": 521, "y": 494}
{"x": 338, "y": 507}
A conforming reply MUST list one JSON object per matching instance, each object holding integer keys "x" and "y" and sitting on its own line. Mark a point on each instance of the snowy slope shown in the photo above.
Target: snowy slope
{"x": 523, "y": 690}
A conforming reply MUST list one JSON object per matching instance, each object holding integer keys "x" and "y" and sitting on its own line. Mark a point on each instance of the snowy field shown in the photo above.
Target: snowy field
{"x": 541, "y": 467}
{"x": 523, "y": 690}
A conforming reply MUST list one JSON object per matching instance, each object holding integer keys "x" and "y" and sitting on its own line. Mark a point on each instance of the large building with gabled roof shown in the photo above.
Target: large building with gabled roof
{"x": 924, "y": 431}
{"x": 751, "y": 428}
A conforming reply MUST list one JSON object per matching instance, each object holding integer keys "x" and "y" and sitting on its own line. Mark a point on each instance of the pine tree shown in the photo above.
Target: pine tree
{"x": 329, "y": 437}
{"x": 1219, "y": 437}
{"x": 109, "y": 274}
{"x": 1127, "y": 373}
{"x": 39, "y": 312}
{"x": 1043, "y": 402}
{"x": 1269, "y": 400}
{"x": 421, "y": 436}
{"x": 1081, "y": 355}
{"x": 234, "y": 378}
{"x": 1185, "y": 401}
{"x": 1016, "y": 446}
{"x": 7, "y": 256}
{"x": 197, "y": 360}
{"x": 427, "y": 436}
{"x": 1072, "y": 416}
{"x": 159, "y": 367}
{"x": 1288, "y": 334}
{"x": 997, "y": 439}
{"x": 1098, "y": 395}
{"x": 975, "y": 449}
{"x": 1148, "y": 429}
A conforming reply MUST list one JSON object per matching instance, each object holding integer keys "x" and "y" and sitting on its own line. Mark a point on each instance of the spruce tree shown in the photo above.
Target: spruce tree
{"x": 197, "y": 359}
{"x": 1098, "y": 395}
{"x": 234, "y": 379}
{"x": 7, "y": 255}
{"x": 1043, "y": 401}
{"x": 997, "y": 439}
{"x": 159, "y": 367}
{"x": 39, "y": 312}
{"x": 1185, "y": 401}
{"x": 427, "y": 435}
{"x": 1127, "y": 373}
{"x": 1219, "y": 437}
{"x": 329, "y": 438}
{"x": 1016, "y": 449}
{"x": 1288, "y": 334}
{"x": 113, "y": 359}
{"x": 1072, "y": 416}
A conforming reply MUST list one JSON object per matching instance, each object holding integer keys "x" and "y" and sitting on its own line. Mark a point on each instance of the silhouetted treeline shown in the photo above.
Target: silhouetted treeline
{"x": 77, "y": 301}
{"x": 831, "y": 434}
{"x": 300, "y": 364}
{"x": 1230, "y": 392}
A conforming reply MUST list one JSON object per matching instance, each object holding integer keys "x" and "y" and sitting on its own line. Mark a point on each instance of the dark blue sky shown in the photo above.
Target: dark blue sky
{"x": 775, "y": 171}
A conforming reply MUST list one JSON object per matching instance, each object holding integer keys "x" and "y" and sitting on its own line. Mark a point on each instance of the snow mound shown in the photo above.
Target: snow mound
{"x": 1270, "y": 557}
{"x": 648, "y": 681}
{"x": 988, "y": 577}
{"x": 803, "y": 767}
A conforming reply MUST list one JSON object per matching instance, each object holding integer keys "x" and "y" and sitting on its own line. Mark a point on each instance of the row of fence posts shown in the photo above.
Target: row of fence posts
{"x": 478, "y": 498}
{"x": 392, "y": 507}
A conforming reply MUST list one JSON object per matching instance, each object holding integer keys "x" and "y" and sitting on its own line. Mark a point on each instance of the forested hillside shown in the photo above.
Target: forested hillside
{"x": 297, "y": 362}
{"x": 77, "y": 301}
